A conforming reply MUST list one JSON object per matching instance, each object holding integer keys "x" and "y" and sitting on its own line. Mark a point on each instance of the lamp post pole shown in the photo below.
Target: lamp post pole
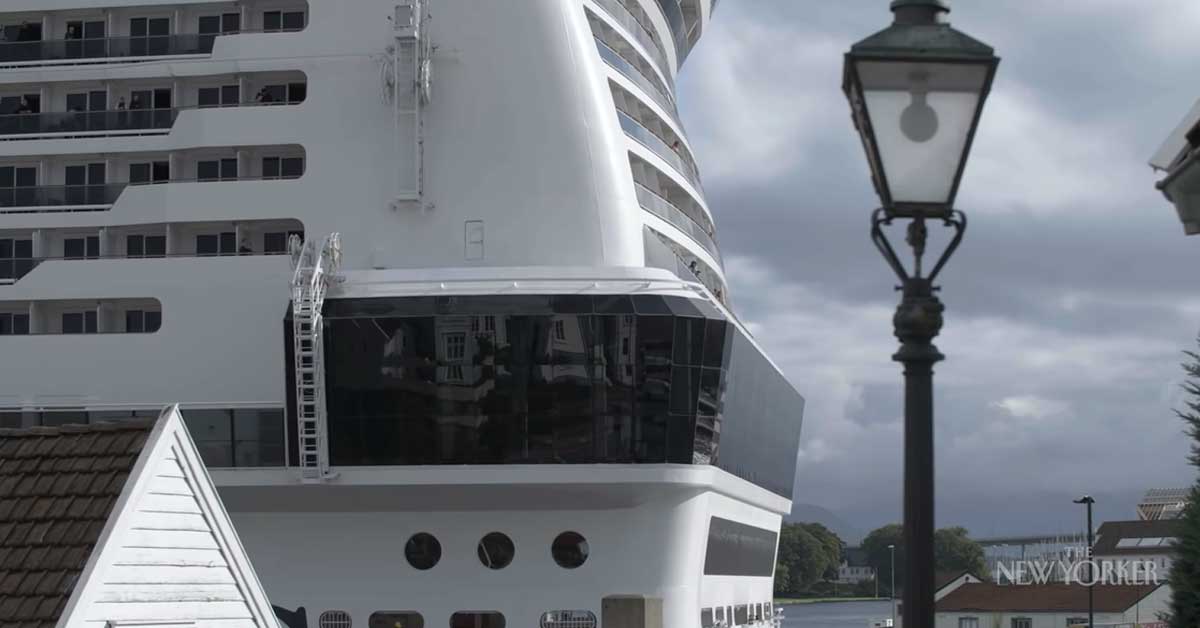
{"x": 1088, "y": 501}
{"x": 916, "y": 91}
{"x": 892, "y": 590}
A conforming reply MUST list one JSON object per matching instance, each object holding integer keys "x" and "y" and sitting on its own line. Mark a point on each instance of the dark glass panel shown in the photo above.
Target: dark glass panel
{"x": 257, "y": 436}
{"x": 681, "y": 438}
{"x": 496, "y": 550}
{"x": 395, "y": 619}
{"x": 293, "y": 20}
{"x": 293, "y": 167}
{"x": 650, "y": 304}
{"x": 57, "y": 418}
{"x": 153, "y": 321}
{"x": 689, "y": 341}
{"x": 569, "y": 550}
{"x": 683, "y": 307}
{"x": 571, "y": 304}
{"x": 476, "y": 620}
{"x": 736, "y": 549}
{"x": 714, "y": 342}
{"x": 613, "y": 304}
{"x": 655, "y": 338}
{"x": 272, "y": 20}
{"x": 422, "y": 551}
{"x": 212, "y": 431}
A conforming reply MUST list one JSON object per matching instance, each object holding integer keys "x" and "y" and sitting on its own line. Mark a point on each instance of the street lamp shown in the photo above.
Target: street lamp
{"x": 916, "y": 91}
{"x": 1182, "y": 184}
{"x": 1087, "y": 499}
{"x": 892, "y": 590}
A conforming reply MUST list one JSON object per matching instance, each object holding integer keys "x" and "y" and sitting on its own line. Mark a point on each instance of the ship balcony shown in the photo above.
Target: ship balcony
{"x": 23, "y": 251}
{"x": 674, "y": 156}
{"x": 633, "y": 19}
{"x": 661, "y": 207}
{"x": 30, "y": 199}
{"x": 132, "y": 34}
{"x": 652, "y": 88}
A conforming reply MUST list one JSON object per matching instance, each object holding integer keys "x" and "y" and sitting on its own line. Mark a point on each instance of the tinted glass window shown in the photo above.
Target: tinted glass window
{"x": 212, "y": 430}
{"x": 570, "y": 550}
{"x": 476, "y": 620}
{"x": 423, "y": 551}
{"x": 536, "y": 379}
{"x": 396, "y": 619}
{"x": 496, "y": 550}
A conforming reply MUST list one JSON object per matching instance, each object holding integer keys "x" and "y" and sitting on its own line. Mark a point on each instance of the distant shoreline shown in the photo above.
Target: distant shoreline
{"x": 822, "y": 600}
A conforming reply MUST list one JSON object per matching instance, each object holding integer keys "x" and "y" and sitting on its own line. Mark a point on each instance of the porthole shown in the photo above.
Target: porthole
{"x": 422, "y": 551}
{"x": 570, "y": 550}
{"x": 334, "y": 619}
{"x": 496, "y": 550}
{"x": 396, "y": 619}
{"x": 568, "y": 619}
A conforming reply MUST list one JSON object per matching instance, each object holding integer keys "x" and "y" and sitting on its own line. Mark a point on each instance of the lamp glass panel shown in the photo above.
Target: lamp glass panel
{"x": 921, "y": 115}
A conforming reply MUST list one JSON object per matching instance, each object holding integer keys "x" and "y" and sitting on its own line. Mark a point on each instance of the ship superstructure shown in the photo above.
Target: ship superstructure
{"x": 434, "y": 283}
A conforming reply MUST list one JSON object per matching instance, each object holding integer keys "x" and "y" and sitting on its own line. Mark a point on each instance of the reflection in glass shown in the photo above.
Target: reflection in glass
{"x": 553, "y": 380}
{"x": 496, "y": 550}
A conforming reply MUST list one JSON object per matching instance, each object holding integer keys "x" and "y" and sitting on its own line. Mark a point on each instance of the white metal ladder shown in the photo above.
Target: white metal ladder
{"x": 313, "y": 270}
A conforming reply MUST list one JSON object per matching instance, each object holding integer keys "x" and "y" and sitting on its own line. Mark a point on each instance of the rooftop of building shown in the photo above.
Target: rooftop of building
{"x": 58, "y": 487}
{"x": 1042, "y": 598}
{"x": 1115, "y": 537}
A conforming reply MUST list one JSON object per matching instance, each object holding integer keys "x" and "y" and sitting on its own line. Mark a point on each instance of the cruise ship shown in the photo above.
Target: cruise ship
{"x": 434, "y": 282}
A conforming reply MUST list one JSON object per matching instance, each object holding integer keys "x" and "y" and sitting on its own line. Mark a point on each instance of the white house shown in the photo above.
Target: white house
{"x": 118, "y": 524}
{"x": 986, "y": 605}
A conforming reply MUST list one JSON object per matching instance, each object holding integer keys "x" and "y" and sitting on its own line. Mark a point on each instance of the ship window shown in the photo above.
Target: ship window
{"x": 276, "y": 242}
{"x": 142, "y": 321}
{"x": 568, "y": 619}
{"x": 16, "y": 258}
{"x": 475, "y": 619}
{"x": 79, "y": 322}
{"x": 152, "y": 172}
{"x": 220, "y": 24}
{"x": 276, "y": 21}
{"x": 82, "y": 248}
{"x": 570, "y": 550}
{"x": 422, "y": 551}
{"x": 706, "y": 618}
{"x": 396, "y": 619}
{"x": 741, "y": 614}
{"x": 495, "y": 551}
{"x": 224, "y": 96}
{"x": 334, "y": 619}
{"x": 217, "y": 169}
{"x": 224, "y": 243}
{"x": 145, "y": 245}
{"x": 282, "y": 167}
{"x": 14, "y": 324}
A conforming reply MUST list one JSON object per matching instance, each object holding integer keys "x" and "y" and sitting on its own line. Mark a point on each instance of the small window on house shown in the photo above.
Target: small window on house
{"x": 741, "y": 614}
{"x": 142, "y": 321}
{"x": 1022, "y": 622}
{"x": 568, "y": 619}
{"x": 79, "y": 322}
{"x": 706, "y": 618}
{"x": 968, "y": 622}
{"x": 476, "y": 619}
{"x": 496, "y": 551}
{"x": 422, "y": 551}
{"x": 1076, "y": 622}
{"x": 392, "y": 619}
{"x": 334, "y": 619}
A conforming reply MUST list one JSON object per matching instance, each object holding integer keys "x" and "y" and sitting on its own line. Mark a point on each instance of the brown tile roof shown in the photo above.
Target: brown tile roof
{"x": 943, "y": 578}
{"x": 57, "y": 489}
{"x": 1048, "y": 598}
{"x": 1111, "y": 532}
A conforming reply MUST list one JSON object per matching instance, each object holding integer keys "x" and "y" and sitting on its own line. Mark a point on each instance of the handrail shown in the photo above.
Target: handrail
{"x": 117, "y": 47}
{"x": 631, "y": 72}
{"x": 640, "y": 31}
{"x": 661, "y": 207}
{"x": 95, "y": 195}
{"x": 13, "y": 269}
{"x": 105, "y": 120}
{"x": 658, "y": 146}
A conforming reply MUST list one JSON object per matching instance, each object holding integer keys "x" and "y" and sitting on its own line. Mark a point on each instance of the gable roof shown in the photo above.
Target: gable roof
{"x": 1042, "y": 598}
{"x": 1111, "y": 533}
{"x": 58, "y": 487}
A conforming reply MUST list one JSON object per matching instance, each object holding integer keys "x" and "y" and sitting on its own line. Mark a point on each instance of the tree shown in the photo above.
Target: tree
{"x": 802, "y": 555}
{"x": 832, "y": 546}
{"x": 880, "y": 557}
{"x": 953, "y": 550}
{"x": 783, "y": 579}
{"x": 1185, "y": 571}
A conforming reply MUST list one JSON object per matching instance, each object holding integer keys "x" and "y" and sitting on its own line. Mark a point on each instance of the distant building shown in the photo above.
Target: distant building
{"x": 1163, "y": 503}
{"x": 983, "y": 605}
{"x": 1124, "y": 542}
{"x": 118, "y": 524}
{"x": 854, "y": 567}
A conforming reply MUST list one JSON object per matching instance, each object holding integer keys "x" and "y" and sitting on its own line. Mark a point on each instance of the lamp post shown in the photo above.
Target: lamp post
{"x": 1087, "y": 499}
{"x": 916, "y": 91}
{"x": 892, "y": 590}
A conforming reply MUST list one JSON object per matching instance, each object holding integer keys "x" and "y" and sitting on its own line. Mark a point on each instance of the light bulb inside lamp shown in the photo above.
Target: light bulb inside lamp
{"x": 919, "y": 121}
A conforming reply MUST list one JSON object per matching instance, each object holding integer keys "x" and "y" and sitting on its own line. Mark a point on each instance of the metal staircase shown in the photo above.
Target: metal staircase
{"x": 314, "y": 269}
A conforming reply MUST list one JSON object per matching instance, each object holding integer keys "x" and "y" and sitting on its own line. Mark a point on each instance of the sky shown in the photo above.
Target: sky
{"x": 1068, "y": 305}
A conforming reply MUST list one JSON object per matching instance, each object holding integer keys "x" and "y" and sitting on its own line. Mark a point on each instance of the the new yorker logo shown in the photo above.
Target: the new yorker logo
{"x": 1074, "y": 570}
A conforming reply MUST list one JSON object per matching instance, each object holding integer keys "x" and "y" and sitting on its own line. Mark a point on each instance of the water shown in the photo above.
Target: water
{"x": 835, "y": 614}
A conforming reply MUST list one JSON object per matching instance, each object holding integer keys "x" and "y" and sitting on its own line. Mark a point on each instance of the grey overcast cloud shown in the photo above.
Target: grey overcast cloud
{"x": 1068, "y": 305}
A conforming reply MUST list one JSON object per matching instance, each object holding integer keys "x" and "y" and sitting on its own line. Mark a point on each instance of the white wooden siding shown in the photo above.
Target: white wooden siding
{"x": 169, "y": 564}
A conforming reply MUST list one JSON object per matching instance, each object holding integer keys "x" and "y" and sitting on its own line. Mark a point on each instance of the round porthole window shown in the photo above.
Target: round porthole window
{"x": 570, "y": 550}
{"x": 496, "y": 550}
{"x": 423, "y": 550}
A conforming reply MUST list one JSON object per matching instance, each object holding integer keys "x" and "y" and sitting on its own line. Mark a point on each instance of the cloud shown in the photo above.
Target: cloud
{"x": 1032, "y": 406}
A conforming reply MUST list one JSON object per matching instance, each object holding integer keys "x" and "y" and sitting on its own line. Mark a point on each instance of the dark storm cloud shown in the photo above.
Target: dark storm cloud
{"x": 1068, "y": 303}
